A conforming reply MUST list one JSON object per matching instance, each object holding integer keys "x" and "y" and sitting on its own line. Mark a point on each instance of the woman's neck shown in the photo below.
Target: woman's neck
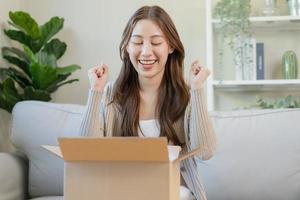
{"x": 148, "y": 97}
{"x": 150, "y": 85}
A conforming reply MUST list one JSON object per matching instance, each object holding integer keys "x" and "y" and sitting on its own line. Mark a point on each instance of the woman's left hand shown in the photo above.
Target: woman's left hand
{"x": 198, "y": 75}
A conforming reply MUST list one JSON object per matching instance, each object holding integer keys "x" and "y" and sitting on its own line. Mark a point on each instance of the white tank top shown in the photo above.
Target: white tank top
{"x": 151, "y": 128}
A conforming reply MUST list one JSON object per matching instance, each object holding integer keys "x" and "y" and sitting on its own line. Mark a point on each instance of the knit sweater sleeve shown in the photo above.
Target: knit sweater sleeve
{"x": 200, "y": 129}
{"x": 93, "y": 122}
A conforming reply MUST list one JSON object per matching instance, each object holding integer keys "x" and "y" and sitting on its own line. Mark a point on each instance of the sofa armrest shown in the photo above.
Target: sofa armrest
{"x": 13, "y": 176}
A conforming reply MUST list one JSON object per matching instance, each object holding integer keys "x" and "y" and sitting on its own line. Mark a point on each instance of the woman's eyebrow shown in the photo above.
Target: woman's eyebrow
{"x": 139, "y": 36}
{"x": 152, "y": 36}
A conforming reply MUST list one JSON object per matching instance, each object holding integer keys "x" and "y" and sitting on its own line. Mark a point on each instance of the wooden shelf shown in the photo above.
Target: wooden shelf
{"x": 228, "y": 94}
{"x": 276, "y": 22}
{"x": 256, "y": 85}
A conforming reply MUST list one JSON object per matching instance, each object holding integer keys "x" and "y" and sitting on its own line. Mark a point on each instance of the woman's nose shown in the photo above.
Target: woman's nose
{"x": 146, "y": 49}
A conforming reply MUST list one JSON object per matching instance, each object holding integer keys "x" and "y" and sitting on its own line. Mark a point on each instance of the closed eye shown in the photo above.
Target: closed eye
{"x": 156, "y": 44}
{"x": 137, "y": 43}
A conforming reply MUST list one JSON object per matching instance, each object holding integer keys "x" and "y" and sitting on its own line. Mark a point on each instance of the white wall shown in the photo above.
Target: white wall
{"x": 5, "y": 7}
{"x": 93, "y": 31}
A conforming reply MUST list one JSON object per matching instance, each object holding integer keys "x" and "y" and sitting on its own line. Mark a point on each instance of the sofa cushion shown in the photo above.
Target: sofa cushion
{"x": 12, "y": 177}
{"x": 258, "y": 156}
{"x": 39, "y": 123}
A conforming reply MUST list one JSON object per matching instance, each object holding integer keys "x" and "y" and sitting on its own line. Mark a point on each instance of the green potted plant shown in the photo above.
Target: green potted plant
{"x": 287, "y": 102}
{"x": 34, "y": 73}
{"x": 233, "y": 27}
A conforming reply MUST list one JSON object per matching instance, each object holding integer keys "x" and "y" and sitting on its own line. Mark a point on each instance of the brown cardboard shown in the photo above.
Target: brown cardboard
{"x": 188, "y": 154}
{"x": 115, "y": 168}
{"x": 114, "y": 149}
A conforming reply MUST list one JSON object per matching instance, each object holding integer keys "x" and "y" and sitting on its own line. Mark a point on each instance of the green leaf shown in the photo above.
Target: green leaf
{"x": 32, "y": 94}
{"x": 263, "y": 104}
{"x": 25, "y": 23}
{"x": 10, "y": 90}
{"x": 67, "y": 82}
{"x": 20, "y": 37}
{"x": 30, "y": 54}
{"x": 292, "y": 105}
{"x": 42, "y": 76}
{"x": 19, "y": 63}
{"x": 9, "y": 95}
{"x": 4, "y": 104}
{"x": 55, "y": 47}
{"x": 2, "y": 74}
{"x": 53, "y": 87}
{"x": 297, "y": 104}
{"x": 67, "y": 69}
{"x": 259, "y": 100}
{"x": 288, "y": 100}
{"x": 281, "y": 104}
{"x": 50, "y": 28}
{"x": 46, "y": 59}
{"x": 16, "y": 76}
{"x": 6, "y": 51}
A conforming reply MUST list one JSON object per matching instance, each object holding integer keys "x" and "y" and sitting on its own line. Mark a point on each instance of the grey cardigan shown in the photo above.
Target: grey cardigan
{"x": 102, "y": 119}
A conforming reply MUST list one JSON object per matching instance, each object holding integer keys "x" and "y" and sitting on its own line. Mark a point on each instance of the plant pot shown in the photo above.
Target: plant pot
{"x": 289, "y": 65}
{"x": 270, "y": 8}
{"x": 294, "y": 7}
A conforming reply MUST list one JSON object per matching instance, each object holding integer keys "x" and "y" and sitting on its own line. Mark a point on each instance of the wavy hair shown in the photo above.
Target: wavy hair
{"x": 173, "y": 91}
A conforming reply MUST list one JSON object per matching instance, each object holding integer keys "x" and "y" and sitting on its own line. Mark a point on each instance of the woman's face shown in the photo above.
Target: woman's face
{"x": 148, "y": 49}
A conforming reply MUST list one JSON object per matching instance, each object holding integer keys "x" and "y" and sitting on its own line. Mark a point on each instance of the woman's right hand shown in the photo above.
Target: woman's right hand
{"x": 98, "y": 77}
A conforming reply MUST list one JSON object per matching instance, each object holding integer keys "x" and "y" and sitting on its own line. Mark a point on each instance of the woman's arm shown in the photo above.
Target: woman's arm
{"x": 93, "y": 119}
{"x": 200, "y": 129}
{"x": 198, "y": 125}
{"x": 93, "y": 123}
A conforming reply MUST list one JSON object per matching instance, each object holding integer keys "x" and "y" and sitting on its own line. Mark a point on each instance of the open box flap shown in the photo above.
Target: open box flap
{"x": 53, "y": 149}
{"x": 114, "y": 149}
{"x": 187, "y": 155}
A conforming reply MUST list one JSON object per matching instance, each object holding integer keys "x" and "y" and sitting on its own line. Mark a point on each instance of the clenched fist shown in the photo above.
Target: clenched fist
{"x": 198, "y": 75}
{"x": 98, "y": 77}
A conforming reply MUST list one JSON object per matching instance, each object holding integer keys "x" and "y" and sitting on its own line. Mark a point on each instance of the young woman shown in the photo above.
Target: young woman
{"x": 150, "y": 97}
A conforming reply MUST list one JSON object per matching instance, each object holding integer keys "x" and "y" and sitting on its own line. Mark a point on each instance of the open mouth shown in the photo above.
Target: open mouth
{"x": 147, "y": 62}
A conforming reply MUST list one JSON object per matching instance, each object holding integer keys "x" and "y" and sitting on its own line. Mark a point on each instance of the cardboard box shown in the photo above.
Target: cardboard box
{"x": 115, "y": 168}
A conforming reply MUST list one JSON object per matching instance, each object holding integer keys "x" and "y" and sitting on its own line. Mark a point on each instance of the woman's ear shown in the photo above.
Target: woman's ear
{"x": 171, "y": 50}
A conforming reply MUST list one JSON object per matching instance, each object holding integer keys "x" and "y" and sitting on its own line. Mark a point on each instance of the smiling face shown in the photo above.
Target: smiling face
{"x": 148, "y": 49}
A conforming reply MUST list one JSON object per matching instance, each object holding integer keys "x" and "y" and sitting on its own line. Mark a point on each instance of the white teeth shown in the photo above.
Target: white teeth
{"x": 147, "y": 62}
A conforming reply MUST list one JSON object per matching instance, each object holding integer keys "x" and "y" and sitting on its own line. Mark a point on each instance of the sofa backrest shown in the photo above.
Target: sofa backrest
{"x": 258, "y": 153}
{"x": 39, "y": 123}
{"x": 257, "y": 158}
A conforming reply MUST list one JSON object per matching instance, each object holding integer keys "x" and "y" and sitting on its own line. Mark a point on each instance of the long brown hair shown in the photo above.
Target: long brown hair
{"x": 173, "y": 91}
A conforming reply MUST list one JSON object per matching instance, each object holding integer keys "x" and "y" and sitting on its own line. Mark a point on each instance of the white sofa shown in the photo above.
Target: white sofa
{"x": 258, "y": 154}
